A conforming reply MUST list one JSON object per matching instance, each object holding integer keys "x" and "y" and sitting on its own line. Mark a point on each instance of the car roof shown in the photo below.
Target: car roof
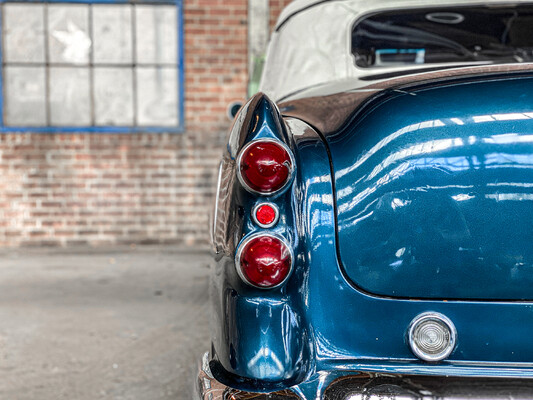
{"x": 297, "y": 6}
{"x": 305, "y": 51}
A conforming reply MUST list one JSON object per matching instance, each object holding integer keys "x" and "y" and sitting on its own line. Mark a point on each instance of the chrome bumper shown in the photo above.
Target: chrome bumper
{"x": 410, "y": 387}
{"x": 364, "y": 386}
{"x": 208, "y": 388}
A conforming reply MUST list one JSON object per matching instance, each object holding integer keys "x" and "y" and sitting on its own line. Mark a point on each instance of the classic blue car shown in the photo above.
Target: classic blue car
{"x": 374, "y": 219}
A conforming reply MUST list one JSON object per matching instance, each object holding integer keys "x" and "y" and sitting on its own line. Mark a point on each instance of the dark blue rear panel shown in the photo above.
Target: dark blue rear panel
{"x": 434, "y": 193}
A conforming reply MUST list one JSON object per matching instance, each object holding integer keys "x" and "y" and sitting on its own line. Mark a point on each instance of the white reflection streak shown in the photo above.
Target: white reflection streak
{"x": 432, "y": 146}
{"x": 362, "y": 215}
{"x": 509, "y": 117}
{"x": 482, "y": 118}
{"x": 508, "y": 138}
{"x": 398, "y": 203}
{"x": 462, "y": 197}
{"x": 503, "y": 117}
{"x": 510, "y": 196}
{"x": 266, "y": 364}
{"x": 458, "y": 121}
{"x": 384, "y": 180}
{"x": 360, "y": 218}
{"x": 430, "y": 124}
{"x": 512, "y": 184}
{"x": 384, "y": 142}
{"x": 498, "y": 160}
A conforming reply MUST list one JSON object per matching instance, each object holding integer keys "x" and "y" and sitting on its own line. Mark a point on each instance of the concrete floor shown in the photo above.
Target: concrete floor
{"x": 127, "y": 324}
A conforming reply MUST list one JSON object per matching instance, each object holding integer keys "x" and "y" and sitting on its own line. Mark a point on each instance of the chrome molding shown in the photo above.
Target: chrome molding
{"x": 410, "y": 387}
{"x": 208, "y": 388}
{"x": 212, "y": 231}
{"x": 291, "y": 169}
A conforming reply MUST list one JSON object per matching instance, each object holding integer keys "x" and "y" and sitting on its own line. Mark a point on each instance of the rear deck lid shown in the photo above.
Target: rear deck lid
{"x": 434, "y": 193}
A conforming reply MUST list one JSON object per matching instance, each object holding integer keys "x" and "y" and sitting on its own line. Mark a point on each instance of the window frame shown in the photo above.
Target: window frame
{"x": 180, "y": 67}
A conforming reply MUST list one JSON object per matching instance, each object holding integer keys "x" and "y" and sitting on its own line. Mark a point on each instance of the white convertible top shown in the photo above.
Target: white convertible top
{"x": 311, "y": 44}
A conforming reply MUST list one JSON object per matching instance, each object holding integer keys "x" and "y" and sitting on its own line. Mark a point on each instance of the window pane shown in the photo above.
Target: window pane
{"x": 23, "y": 33}
{"x": 112, "y": 34}
{"x": 68, "y": 37}
{"x": 24, "y": 96}
{"x": 70, "y": 102}
{"x": 157, "y": 98}
{"x": 156, "y": 36}
{"x": 113, "y": 96}
{"x": 74, "y": 64}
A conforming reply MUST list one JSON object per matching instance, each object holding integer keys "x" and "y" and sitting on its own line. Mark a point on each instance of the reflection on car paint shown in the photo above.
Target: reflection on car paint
{"x": 322, "y": 323}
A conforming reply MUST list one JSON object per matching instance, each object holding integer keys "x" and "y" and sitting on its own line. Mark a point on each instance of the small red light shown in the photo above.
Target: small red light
{"x": 265, "y": 166}
{"x": 264, "y": 261}
{"x": 266, "y": 215}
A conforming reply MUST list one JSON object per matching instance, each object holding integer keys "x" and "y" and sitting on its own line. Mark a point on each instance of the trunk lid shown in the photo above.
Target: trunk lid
{"x": 434, "y": 192}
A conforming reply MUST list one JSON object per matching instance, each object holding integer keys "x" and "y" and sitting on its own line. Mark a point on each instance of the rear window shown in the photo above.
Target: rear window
{"x": 444, "y": 35}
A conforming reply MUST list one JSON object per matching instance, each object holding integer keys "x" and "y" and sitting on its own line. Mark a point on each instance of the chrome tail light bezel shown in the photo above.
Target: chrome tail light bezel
{"x": 292, "y": 168}
{"x": 242, "y": 246}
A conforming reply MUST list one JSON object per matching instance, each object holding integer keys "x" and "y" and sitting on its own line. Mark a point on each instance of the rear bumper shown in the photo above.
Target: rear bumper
{"x": 358, "y": 386}
{"x": 409, "y": 387}
{"x": 208, "y": 388}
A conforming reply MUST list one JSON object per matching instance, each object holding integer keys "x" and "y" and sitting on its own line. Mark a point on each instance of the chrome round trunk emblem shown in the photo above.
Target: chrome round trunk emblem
{"x": 432, "y": 336}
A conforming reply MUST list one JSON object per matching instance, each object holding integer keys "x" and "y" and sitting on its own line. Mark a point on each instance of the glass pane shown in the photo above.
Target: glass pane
{"x": 70, "y": 103}
{"x": 113, "y": 96}
{"x": 112, "y": 27}
{"x": 23, "y": 33}
{"x": 68, "y": 33}
{"x": 476, "y": 33}
{"x": 156, "y": 36}
{"x": 157, "y": 96}
{"x": 24, "y": 96}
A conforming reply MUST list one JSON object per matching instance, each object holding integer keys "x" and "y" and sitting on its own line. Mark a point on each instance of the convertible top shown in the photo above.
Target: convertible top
{"x": 311, "y": 45}
{"x": 298, "y": 6}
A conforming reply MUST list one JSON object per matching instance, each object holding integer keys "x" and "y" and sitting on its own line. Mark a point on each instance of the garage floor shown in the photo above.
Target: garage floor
{"x": 126, "y": 324}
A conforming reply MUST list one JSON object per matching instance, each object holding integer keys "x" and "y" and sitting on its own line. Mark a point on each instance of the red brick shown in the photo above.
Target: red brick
{"x": 97, "y": 189}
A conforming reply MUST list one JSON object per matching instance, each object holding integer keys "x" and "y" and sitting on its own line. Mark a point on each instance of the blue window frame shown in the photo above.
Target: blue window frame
{"x": 91, "y": 66}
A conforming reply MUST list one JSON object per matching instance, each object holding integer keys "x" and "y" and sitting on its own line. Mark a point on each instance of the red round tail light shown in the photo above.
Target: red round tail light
{"x": 265, "y": 215}
{"x": 265, "y": 166}
{"x": 264, "y": 261}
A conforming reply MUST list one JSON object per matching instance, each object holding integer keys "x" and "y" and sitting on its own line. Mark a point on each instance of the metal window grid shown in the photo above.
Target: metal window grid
{"x": 90, "y": 66}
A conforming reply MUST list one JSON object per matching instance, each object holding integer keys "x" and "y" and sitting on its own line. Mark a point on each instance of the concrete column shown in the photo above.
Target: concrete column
{"x": 258, "y": 31}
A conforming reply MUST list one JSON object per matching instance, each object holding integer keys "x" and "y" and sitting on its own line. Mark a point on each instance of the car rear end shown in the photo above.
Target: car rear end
{"x": 402, "y": 236}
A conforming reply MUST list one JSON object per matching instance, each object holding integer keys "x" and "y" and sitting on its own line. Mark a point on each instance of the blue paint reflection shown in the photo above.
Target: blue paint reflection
{"x": 404, "y": 181}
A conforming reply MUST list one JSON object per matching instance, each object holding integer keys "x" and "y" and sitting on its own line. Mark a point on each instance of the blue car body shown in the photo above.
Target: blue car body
{"x": 411, "y": 197}
{"x": 415, "y": 205}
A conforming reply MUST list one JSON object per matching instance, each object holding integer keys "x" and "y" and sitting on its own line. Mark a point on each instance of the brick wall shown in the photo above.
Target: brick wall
{"x": 275, "y": 8}
{"x": 100, "y": 189}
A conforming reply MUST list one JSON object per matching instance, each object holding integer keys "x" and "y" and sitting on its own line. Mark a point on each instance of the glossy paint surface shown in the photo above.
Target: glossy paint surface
{"x": 434, "y": 193}
{"x": 319, "y": 325}
{"x": 260, "y": 339}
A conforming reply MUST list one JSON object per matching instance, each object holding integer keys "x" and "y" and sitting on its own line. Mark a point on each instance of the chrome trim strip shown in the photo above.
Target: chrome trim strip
{"x": 411, "y": 387}
{"x": 276, "y": 218}
{"x": 291, "y": 169}
{"x": 208, "y": 388}
{"x": 243, "y": 244}
{"x": 212, "y": 231}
